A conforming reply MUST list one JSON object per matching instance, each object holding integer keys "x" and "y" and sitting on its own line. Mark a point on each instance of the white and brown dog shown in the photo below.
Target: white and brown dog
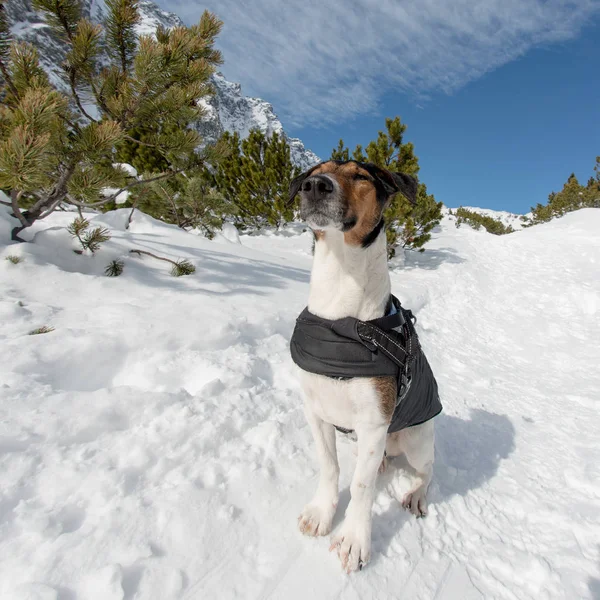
{"x": 343, "y": 203}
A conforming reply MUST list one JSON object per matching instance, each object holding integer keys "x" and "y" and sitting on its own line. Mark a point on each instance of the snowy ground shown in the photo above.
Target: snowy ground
{"x": 153, "y": 445}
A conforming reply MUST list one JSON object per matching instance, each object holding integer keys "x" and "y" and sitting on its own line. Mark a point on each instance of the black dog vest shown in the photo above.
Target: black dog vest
{"x": 389, "y": 346}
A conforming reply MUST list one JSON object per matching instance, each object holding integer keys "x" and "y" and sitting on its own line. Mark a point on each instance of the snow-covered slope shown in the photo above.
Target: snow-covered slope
{"x": 228, "y": 108}
{"x": 153, "y": 445}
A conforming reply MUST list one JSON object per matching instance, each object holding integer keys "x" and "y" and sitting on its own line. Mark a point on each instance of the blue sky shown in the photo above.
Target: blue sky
{"x": 501, "y": 97}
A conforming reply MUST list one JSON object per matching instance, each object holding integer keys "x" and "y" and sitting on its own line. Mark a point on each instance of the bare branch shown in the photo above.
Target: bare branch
{"x": 132, "y": 139}
{"x": 75, "y": 94}
{"x": 51, "y": 209}
{"x": 15, "y": 196}
{"x": 140, "y": 252}
{"x": 59, "y": 191}
{"x": 130, "y": 218}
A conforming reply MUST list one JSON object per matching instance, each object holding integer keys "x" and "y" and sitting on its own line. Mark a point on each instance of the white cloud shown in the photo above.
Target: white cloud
{"x": 320, "y": 61}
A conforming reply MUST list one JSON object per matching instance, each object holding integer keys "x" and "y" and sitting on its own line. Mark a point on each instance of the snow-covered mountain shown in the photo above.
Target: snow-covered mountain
{"x": 227, "y": 110}
{"x": 153, "y": 446}
{"x": 230, "y": 110}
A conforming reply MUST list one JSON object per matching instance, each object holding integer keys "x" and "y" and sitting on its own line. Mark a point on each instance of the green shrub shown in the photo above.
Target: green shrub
{"x": 42, "y": 329}
{"x": 477, "y": 220}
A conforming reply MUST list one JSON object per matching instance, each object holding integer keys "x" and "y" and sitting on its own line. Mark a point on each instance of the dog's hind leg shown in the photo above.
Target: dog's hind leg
{"x": 417, "y": 443}
{"x": 353, "y": 542}
{"x": 317, "y": 516}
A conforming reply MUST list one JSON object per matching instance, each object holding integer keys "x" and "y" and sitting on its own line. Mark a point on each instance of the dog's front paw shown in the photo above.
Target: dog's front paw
{"x": 416, "y": 502}
{"x": 316, "y": 519}
{"x": 353, "y": 545}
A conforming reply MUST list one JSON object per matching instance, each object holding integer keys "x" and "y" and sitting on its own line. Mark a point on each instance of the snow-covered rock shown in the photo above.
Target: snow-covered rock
{"x": 227, "y": 110}
{"x": 154, "y": 445}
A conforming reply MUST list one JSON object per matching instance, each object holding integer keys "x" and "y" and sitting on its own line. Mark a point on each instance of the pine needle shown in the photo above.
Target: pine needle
{"x": 42, "y": 329}
{"x": 182, "y": 267}
{"x": 114, "y": 268}
{"x": 89, "y": 240}
{"x": 93, "y": 239}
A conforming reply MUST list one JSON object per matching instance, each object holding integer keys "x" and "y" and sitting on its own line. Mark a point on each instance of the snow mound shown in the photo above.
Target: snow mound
{"x": 153, "y": 444}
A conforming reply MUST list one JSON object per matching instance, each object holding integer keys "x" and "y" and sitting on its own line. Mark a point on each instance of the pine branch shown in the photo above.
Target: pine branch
{"x": 123, "y": 189}
{"x": 63, "y": 15}
{"x": 93, "y": 239}
{"x": 180, "y": 267}
{"x": 140, "y": 252}
{"x": 77, "y": 227}
{"x": 120, "y": 24}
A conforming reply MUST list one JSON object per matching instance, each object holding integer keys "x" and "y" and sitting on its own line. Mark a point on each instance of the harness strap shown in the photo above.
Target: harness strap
{"x": 374, "y": 332}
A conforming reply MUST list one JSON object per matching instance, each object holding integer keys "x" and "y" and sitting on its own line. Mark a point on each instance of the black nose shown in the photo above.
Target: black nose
{"x": 317, "y": 187}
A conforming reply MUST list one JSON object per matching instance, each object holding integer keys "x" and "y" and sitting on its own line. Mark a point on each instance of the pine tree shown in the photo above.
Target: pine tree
{"x": 477, "y": 220}
{"x": 255, "y": 176}
{"x": 572, "y": 197}
{"x": 54, "y": 150}
{"x": 341, "y": 152}
{"x": 405, "y": 223}
{"x": 189, "y": 202}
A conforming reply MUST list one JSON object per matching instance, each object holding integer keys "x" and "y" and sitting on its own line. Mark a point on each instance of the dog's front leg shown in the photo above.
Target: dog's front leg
{"x": 353, "y": 542}
{"x": 317, "y": 516}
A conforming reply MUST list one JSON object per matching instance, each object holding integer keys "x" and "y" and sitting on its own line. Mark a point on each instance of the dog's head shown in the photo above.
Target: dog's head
{"x": 349, "y": 196}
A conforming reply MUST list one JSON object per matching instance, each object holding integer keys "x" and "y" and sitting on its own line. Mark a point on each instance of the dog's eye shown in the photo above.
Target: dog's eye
{"x": 361, "y": 177}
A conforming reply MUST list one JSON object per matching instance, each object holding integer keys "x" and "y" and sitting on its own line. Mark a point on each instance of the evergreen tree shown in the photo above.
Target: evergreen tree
{"x": 572, "y": 197}
{"x": 410, "y": 225}
{"x": 53, "y": 150}
{"x": 189, "y": 202}
{"x": 477, "y": 220}
{"x": 255, "y": 176}
{"x": 341, "y": 152}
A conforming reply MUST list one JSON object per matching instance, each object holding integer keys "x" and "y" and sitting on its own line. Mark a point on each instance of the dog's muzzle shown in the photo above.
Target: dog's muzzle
{"x": 319, "y": 202}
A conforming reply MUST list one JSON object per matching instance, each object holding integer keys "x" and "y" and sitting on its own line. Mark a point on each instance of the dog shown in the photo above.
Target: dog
{"x": 343, "y": 203}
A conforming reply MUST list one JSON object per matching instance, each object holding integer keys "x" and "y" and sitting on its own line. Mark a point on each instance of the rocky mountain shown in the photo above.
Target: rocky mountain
{"x": 227, "y": 110}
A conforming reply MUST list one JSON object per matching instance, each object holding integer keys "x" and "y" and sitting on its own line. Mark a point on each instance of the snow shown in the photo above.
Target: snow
{"x": 129, "y": 169}
{"x": 153, "y": 445}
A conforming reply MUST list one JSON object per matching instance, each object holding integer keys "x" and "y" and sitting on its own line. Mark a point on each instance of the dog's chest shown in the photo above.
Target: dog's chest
{"x": 341, "y": 402}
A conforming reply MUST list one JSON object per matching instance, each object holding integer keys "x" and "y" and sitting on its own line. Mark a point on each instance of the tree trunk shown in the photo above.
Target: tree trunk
{"x": 54, "y": 198}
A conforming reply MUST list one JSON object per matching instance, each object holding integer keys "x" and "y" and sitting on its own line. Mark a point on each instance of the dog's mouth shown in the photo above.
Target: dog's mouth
{"x": 319, "y": 220}
{"x": 331, "y": 217}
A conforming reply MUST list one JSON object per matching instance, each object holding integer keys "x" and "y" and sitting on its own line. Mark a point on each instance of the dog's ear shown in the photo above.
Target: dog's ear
{"x": 407, "y": 185}
{"x": 393, "y": 183}
{"x": 297, "y": 182}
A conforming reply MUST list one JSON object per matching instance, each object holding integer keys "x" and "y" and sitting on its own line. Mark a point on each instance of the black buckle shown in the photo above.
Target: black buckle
{"x": 405, "y": 383}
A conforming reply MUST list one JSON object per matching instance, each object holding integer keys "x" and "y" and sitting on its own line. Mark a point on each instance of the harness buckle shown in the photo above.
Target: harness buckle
{"x": 405, "y": 383}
